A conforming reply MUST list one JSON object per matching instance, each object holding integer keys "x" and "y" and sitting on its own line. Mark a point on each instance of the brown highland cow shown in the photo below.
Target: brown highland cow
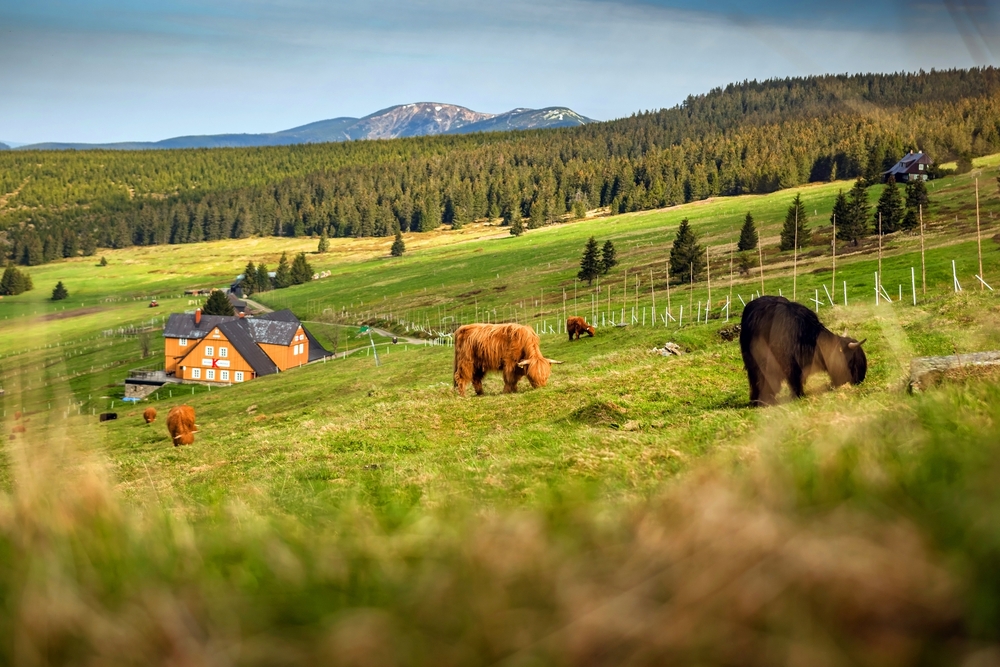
{"x": 511, "y": 349}
{"x": 578, "y": 326}
{"x": 149, "y": 414}
{"x": 180, "y": 423}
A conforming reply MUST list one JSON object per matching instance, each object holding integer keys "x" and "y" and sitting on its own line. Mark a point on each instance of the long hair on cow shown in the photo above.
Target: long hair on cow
{"x": 783, "y": 341}
{"x": 181, "y": 426}
{"x": 512, "y": 349}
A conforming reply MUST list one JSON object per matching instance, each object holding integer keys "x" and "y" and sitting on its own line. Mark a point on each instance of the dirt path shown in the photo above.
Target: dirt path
{"x": 10, "y": 195}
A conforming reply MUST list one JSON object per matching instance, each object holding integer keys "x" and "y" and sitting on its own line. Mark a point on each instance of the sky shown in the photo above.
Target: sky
{"x": 122, "y": 70}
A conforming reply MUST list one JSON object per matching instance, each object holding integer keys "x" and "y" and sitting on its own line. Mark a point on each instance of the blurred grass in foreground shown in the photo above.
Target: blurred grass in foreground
{"x": 837, "y": 540}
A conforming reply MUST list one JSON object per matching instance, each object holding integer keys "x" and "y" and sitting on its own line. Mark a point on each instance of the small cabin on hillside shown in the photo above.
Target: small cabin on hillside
{"x": 233, "y": 349}
{"x": 913, "y": 167}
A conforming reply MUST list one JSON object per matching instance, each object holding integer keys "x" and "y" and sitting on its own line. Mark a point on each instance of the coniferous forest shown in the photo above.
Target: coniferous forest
{"x": 751, "y": 137}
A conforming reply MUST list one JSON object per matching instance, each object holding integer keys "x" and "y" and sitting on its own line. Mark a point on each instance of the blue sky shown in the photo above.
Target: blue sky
{"x": 114, "y": 70}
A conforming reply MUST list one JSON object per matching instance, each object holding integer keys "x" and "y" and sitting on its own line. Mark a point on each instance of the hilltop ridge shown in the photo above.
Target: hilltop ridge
{"x": 417, "y": 119}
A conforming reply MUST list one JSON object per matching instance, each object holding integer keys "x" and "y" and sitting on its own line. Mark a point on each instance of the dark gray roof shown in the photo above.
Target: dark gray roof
{"x": 181, "y": 325}
{"x": 248, "y": 349}
{"x": 238, "y": 304}
{"x": 270, "y": 331}
{"x": 316, "y": 351}
{"x": 909, "y": 164}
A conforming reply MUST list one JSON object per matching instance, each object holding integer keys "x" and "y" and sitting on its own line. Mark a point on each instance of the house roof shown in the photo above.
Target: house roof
{"x": 909, "y": 164}
{"x": 270, "y": 331}
{"x": 181, "y": 325}
{"x": 316, "y": 351}
{"x": 240, "y": 338}
{"x": 239, "y": 304}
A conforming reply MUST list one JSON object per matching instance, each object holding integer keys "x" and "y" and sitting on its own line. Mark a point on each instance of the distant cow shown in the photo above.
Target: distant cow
{"x": 180, "y": 423}
{"x": 511, "y": 349}
{"x": 784, "y": 341}
{"x": 149, "y": 414}
{"x": 578, "y": 326}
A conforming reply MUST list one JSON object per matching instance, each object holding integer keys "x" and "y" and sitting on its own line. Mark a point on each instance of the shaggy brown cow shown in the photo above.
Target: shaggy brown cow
{"x": 149, "y": 414}
{"x": 578, "y": 326}
{"x": 784, "y": 341}
{"x": 511, "y": 349}
{"x": 180, "y": 423}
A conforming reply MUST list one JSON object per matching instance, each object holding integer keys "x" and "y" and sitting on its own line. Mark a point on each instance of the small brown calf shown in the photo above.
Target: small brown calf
{"x": 578, "y": 326}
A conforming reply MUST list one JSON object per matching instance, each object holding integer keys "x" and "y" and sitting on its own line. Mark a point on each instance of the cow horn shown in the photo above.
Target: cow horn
{"x": 524, "y": 364}
{"x": 553, "y": 361}
{"x": 856, "y": 344}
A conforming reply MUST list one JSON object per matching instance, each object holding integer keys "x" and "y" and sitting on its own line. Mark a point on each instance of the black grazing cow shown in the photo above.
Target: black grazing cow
{"x": 783, "y": 340}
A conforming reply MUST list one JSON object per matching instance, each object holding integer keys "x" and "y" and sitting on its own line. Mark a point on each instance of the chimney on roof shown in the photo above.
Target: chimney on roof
{"x": 242, "y": 315}
{"x": 197, "y": 317}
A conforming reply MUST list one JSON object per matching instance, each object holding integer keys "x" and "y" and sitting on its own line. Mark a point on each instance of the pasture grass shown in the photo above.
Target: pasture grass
{"x": 634, "y": 510}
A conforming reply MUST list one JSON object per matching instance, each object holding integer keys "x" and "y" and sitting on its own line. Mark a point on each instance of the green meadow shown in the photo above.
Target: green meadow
{"x": 633, "y": 510}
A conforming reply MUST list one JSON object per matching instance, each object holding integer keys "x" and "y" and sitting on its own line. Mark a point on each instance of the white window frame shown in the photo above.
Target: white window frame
{"x": 210, "y": 374}
{"x": 183, "y": 342}
{"x": 223, "y": 351}
{"x": 209, "y": 351}
{"x": 920, "y": 167}
{"x": 224, "y": 376}
{"x": 195, "y": 373}
{"x": 238, "y": 376}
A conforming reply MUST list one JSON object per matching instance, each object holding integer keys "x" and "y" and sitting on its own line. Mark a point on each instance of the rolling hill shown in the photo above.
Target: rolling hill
{"x": 404, "y": 120}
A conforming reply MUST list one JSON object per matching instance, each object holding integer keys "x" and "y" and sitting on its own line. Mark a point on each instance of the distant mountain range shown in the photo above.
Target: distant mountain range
{"x": 405, "y": 120}
{"x": 4, "y": 146}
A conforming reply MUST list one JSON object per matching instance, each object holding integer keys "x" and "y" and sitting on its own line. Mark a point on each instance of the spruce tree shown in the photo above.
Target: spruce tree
{"x": 608, "y": 260}
{"x": 516, "y": 226}
{"x": 841, "y": 216}
{"x": 249, "y": 282}
{"x": 324, "y": 244}
{"x": 283, "y": 274}
{"x": 302, "y": 271}
{"x": 59, "y": 292}
{"x": 217, "y": 303}
{"x": 87, "y": 244}
{"x": 104, "y": 261}
{"x": 398, "y": 246}
{"x": 590, "y": 264}
{"x": 794, "y": 230}
{"x": 686, "y": 256}
{"x": 889, "y": 208}
{"x": 916, "y": 199}
{"x": 855, "y": 226}
{"x": 12, "y": 282}
{"x": 263, "y": 282}
{"x": 748, "y": 235}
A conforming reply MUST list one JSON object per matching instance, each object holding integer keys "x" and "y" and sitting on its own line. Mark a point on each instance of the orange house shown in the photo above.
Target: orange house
{"x": 212, "y": 348}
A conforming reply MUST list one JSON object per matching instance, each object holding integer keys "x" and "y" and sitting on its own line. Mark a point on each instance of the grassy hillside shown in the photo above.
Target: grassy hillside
{"x": 634, "y": 510}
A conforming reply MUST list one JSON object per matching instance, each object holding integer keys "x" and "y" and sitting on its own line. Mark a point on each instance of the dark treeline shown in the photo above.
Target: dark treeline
{"x": 753, "y": 137}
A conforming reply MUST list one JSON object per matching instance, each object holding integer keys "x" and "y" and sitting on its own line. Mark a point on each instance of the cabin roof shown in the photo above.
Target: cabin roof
{"x": 909, "y": 164}
{"x": 316, "y": 351}
{"x": 240, "y": 339}
{"x": 182, "y": 325}
{"x": 270, "y": 331}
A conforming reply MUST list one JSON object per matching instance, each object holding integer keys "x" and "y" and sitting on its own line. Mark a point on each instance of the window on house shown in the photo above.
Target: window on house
{"x": 209, "y": 351}
{"x": 196, "y": 373}
{"x": 920, "y": 167}
{"x": 210, "y": 374}
{"x": 238, "y": 376}
{"x": 184, "y": 342}
{"x": 223, "y": 351}
{"x": 224, "y": 376}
